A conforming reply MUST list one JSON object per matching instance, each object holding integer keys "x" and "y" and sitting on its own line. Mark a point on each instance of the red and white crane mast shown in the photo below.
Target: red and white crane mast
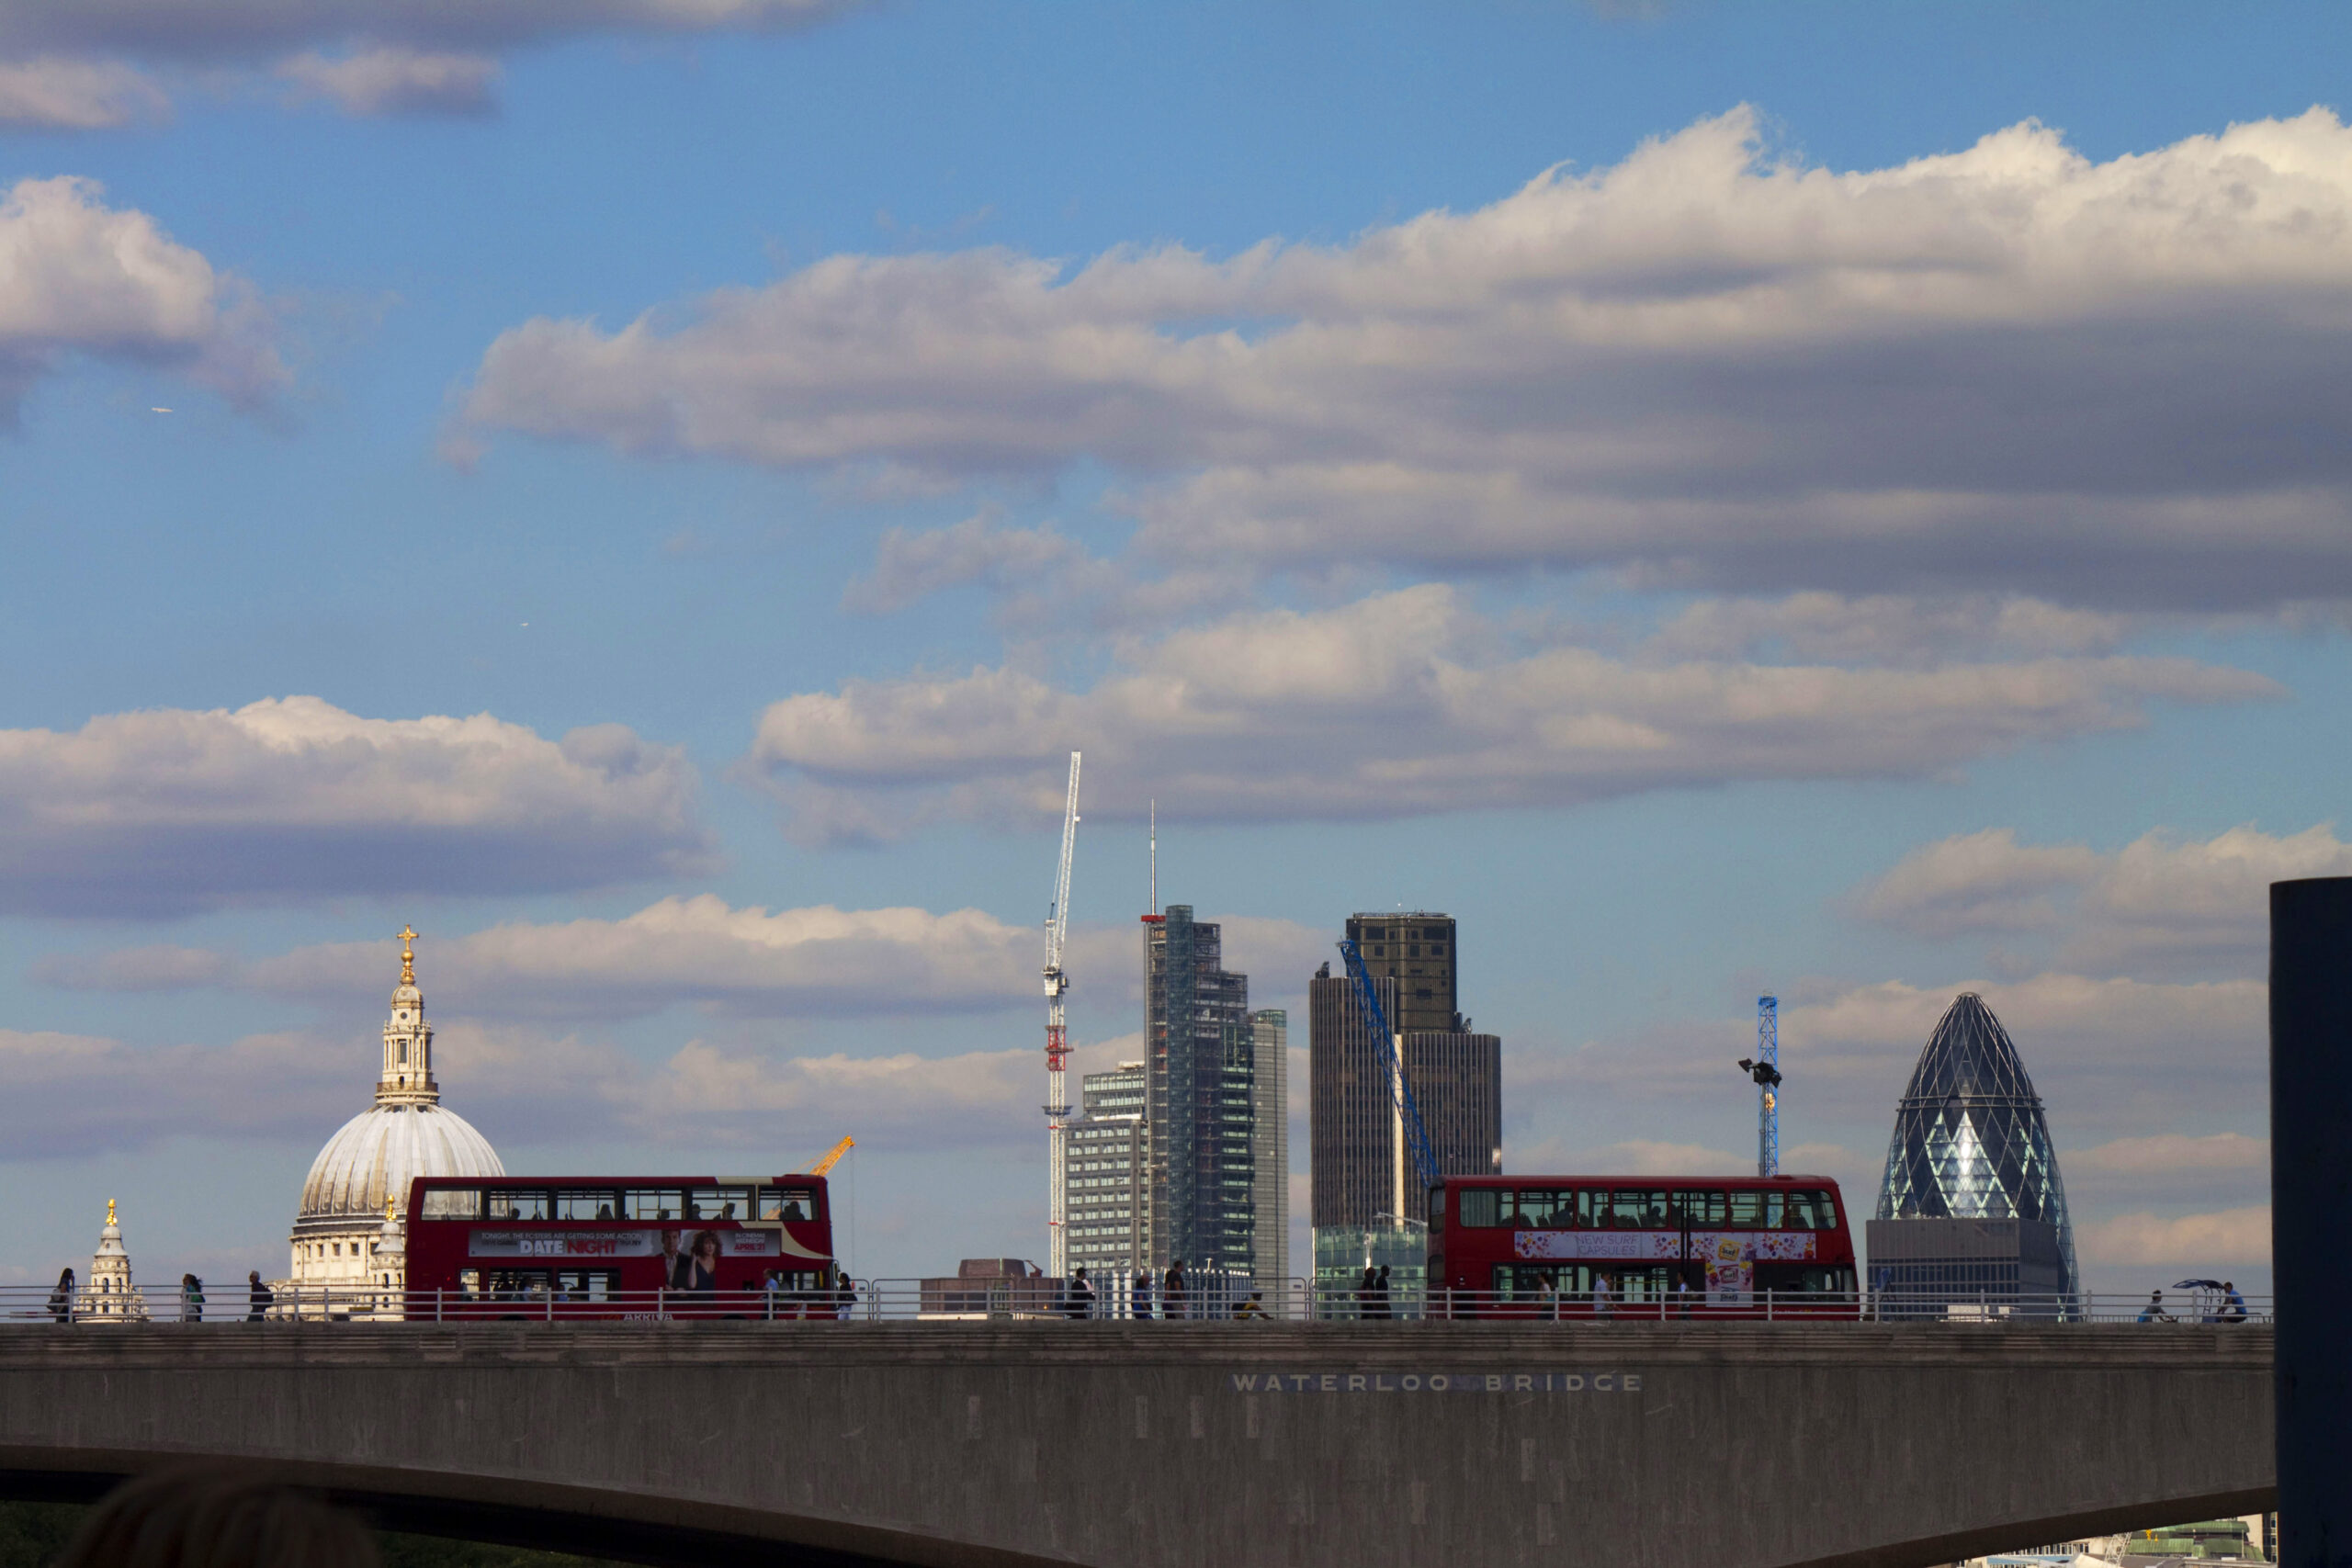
{"x": 1058, "y": 1044}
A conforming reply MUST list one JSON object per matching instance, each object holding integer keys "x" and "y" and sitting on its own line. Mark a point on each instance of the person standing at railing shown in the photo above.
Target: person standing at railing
{"x": 844, "y": 1293}
{"x": 1174, "y": 1303}
{"x": 1600, "y": 1293}
{"x": 2232, "y": 1305}
{"x": 258, "y": 1299}
{"x": 1139, "y": 1297}
{"x": 61, "y": 1300}
{"x": 191, "y": 1299}
{"x": 1382, "y": 1308}
{"x": 1077, "y": 1301}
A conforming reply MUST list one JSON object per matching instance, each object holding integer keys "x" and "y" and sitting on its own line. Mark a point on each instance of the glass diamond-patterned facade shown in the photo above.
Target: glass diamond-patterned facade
{"x": 1971, "y": 1144}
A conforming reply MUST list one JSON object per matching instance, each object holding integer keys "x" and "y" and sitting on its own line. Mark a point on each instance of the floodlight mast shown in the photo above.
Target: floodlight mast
{"x": 1057, "y": 1043}
{"x": 1765, "y": 1070}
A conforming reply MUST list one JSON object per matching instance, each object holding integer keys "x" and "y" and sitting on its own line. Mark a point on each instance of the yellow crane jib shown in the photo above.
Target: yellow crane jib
{"x": 832, "y": 1156}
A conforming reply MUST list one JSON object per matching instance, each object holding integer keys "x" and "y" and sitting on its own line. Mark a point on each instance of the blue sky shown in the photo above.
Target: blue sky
{"x": 1802, "y": 545}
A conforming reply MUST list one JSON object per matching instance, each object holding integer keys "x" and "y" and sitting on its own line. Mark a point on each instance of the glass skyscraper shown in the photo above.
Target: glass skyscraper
{"x": 1971, "y": 1207}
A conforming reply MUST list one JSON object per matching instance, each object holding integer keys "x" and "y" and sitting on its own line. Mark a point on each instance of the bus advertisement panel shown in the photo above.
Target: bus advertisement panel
{"x": 1702, "y": 1246}
{"x": 622, "y": 1247}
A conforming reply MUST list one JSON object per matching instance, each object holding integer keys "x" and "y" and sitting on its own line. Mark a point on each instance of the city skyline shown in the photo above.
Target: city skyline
{"x": 655, "y": 511}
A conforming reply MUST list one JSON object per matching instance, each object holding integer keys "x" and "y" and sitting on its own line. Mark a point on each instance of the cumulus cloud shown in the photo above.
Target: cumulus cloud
{"x": 165, "y": 811}
{"x": 1408, "y": 703}
{"x": 76, "y": 95}
{"x": 2006, "y": 370}
{"x": 396, "y": 80}
{"x": 2232, "y": 1236}
{"x": 2162, "y": 905}
{"x": 78, "y": 277}
{"x": 701, "y": 951}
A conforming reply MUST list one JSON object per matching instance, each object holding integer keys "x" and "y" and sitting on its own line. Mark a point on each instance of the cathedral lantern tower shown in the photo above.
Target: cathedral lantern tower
{"x": 407, "y": 1077}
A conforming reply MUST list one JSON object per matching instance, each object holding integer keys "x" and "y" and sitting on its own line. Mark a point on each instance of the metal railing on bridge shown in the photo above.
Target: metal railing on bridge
{"x": 1217, "y": 1299}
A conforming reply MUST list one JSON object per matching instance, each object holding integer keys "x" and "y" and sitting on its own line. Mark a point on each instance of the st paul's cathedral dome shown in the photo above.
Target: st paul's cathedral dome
{"x": 349, "y": 1230}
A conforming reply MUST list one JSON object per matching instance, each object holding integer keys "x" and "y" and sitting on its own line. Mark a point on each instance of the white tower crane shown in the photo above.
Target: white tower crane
{"x": 1057, "y": 1043}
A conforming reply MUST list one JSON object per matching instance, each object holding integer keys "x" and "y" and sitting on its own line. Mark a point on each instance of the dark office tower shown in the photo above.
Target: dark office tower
{"x": 1971, "y": 1207}
{"x": 1362, "y": 1168}
{"x": 1202, "y": 1056}
{"x": 1416, "y": 951}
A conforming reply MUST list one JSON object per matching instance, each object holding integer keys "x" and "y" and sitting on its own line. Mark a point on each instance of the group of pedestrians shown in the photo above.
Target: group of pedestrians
{"x": 1170, "y": 1296}
{"x": 259, "y": 1298}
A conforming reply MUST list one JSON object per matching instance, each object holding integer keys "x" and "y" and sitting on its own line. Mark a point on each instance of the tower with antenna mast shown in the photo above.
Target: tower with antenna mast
{"x": 1058, "y": 1043}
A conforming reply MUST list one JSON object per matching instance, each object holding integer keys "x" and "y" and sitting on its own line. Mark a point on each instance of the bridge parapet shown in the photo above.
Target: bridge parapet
{"x": 1731, "y": 1446}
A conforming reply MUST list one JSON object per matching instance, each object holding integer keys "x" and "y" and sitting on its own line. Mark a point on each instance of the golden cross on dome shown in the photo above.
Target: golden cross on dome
{"x": 408, "y": 954}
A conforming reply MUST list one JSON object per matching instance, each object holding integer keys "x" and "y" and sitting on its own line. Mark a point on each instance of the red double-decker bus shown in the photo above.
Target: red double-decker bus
{"x": 620, "y": 1246}
{"x": 1578, "y": 1245}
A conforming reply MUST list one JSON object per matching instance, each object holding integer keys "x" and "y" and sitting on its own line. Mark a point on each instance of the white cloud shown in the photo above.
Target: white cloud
{"x": 78, "y": 277}
{"x": 1983, "y": 881}
{"x": 2161, "y": 1153}
{"x": 1884, "y": 628}
{"x": 2004, "y": 369}
{"x": 2215, "y": 1240}
{"x": 1403, "y": 703}
{"x": 168, "y": 810}
{"x": 701, "y": 951}
{"x": 2162, "y": 905}
{"x": 396, "y": 80}
{"x": 911, "y": 565}
{"x": 76, "y": 95}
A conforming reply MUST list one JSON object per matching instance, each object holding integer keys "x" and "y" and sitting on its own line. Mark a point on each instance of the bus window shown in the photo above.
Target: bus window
{"x": 452, "y": 1203}
{"x": 1592, "y": 1211}
{"x": 1638, "y": 1208}
{"x": 587, "y": 1205}
{"x": 1811, "y": 1210}
{"x": 587, "y": 1284}
{"x": 516, "y": 1205}
{"x": 1701, "y": 1207}
{"x": 718, "y": 1203}
{"x": 1437, "y": 1214}
{"x": 654, "y": 1203}
{"x": 788, "y": 1204}
{"x": 468, "y": 1283}
{"x": 1478, "y": 1206}
{"x": 1531, "y": 1207}
{"x": 1746, "y": 1209}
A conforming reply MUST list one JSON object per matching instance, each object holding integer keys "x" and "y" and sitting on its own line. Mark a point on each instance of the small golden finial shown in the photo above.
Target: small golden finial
{"x": 408, "y": 954}
{"x": 109, "y": 1211}
{"x": 388, "y": 1208}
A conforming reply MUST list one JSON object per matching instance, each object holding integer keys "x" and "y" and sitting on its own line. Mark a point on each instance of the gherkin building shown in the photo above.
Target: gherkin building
{"x": 1972, "y": 1204}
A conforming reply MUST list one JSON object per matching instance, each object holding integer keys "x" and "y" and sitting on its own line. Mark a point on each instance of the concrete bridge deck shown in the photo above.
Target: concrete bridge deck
{"x": 1637, "y": 1445}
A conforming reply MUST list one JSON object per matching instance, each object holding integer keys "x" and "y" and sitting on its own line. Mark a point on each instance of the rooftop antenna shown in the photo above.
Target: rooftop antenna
{"x": 1155, "y": 857}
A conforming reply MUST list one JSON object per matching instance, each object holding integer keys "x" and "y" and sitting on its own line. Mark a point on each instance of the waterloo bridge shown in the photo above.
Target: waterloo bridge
{"x": 1138, "y": 1444}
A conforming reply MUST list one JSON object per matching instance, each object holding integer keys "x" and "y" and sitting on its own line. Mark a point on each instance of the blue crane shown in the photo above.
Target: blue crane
{"x": 1417, "y": 1139}
{"x": 1765, "y": 1070}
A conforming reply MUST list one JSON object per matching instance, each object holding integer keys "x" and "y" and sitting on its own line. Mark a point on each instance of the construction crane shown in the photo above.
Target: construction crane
{"x": 1416, "y": 1140}
{"x": 832, "y": 1156}
{"x": 1764, "y": 1068}
{"x": 1058, "y": 1043}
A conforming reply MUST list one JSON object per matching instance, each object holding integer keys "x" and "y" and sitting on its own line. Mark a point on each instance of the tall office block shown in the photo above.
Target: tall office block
{"x": 1106, "y": 1193}
{"x": 1416, "y": 951}
{"x": 1972, "y": 1206}
{"x": 1361, "y": 1164}
{"x": 1201, "y": 1064}
{"x": 1270, "y": 1152}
